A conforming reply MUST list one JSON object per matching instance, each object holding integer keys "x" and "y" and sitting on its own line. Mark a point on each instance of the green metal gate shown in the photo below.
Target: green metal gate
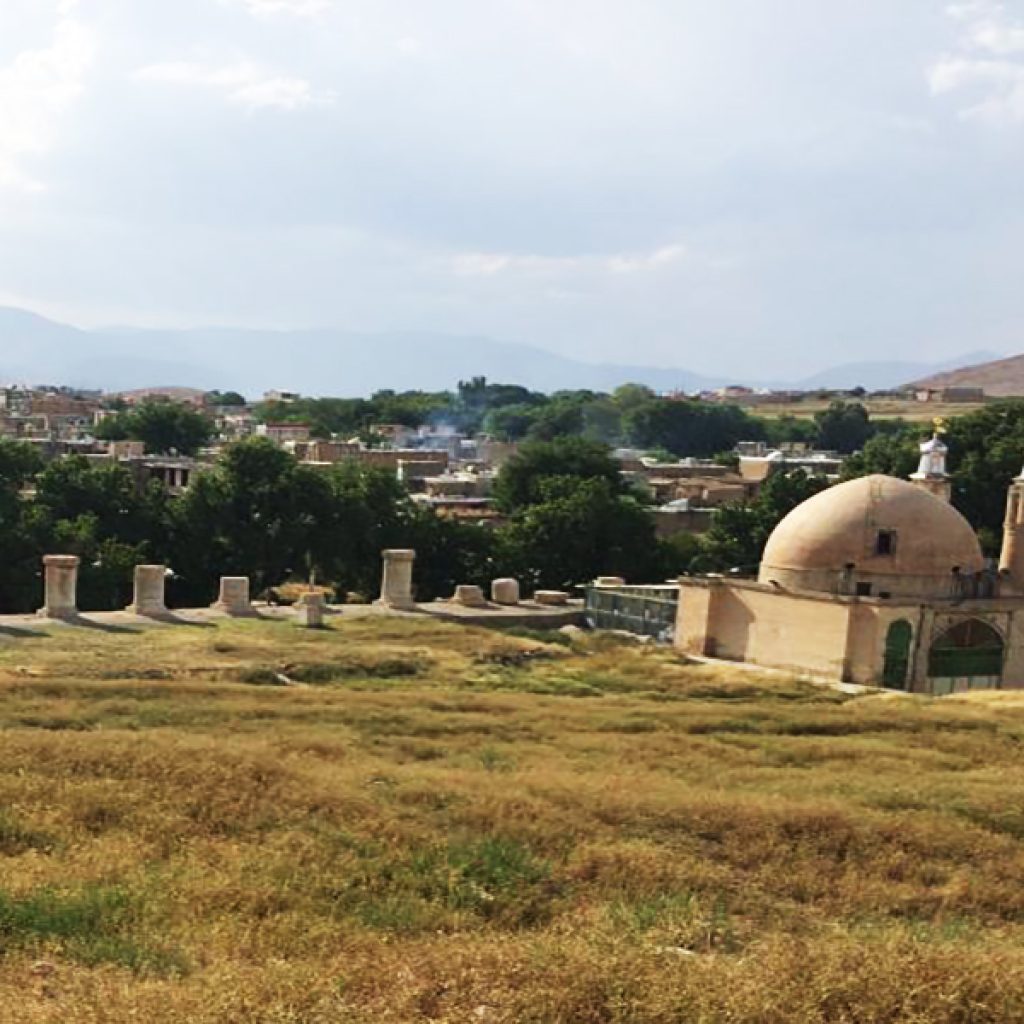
{"x": 897, "y": 655}
{"x": 970, "y": 650}
{"x": 646, "y": 611}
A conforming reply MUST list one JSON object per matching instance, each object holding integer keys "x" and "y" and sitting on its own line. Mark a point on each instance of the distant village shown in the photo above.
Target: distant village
{"x": 449, "y": 471}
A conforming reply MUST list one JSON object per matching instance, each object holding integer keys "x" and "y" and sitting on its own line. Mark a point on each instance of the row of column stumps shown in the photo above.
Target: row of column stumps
{"x": 61, "y": 585}
{"x": 60, "y": 581}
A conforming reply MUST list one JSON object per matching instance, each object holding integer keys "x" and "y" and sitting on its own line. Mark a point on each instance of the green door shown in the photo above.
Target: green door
{"x": 897, "y": 655}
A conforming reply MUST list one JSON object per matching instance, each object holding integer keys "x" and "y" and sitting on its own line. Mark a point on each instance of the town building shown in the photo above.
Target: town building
{"x": 877, "y": 581}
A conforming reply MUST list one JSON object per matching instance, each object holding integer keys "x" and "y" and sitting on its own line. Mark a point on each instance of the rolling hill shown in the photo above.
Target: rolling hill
{"x": 1001, "y": 378}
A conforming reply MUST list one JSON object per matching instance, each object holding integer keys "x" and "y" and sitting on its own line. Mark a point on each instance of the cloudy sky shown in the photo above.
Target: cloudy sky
{"x": 776, "y": 184}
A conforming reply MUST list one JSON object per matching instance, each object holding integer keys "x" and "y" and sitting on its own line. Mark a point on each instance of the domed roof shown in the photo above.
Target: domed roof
{"x": 880, "y": 525}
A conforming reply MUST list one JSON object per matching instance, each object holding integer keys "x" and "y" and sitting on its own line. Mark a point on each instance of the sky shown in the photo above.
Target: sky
{"x": 775, "y": 186}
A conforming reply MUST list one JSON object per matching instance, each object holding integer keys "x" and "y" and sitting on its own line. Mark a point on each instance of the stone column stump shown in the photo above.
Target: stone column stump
{"x": 552, "y": 598}
{"x": 610, "y": 581}
{"x": 61, "y": 583}
{"x": 234, "y": 596}
{"x": 505, "y": 591}
{"x": 469, "y": 597}
{"x": 396, "y": 585}
{"x": 150, "y": 581}
{"x": 309, "y": 610}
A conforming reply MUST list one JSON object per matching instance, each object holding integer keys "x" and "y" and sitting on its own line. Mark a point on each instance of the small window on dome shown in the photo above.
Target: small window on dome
{"x": 885, "y": 542}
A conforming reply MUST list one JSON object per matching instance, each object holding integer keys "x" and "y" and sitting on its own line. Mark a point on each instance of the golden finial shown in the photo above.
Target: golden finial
{"x": 940, "y": 425}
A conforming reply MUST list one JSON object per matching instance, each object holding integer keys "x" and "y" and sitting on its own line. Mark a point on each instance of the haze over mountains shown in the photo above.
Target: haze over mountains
{"x": 36, "y": 350}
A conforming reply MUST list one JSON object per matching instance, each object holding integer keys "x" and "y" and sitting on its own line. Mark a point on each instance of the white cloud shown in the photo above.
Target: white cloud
{"x": 36, "y": 90}
{"x": 294, "y": 8}
{"x": 986, "y": 65}
{"x": 489, "y": 264}
{"x": 243, "y": 83}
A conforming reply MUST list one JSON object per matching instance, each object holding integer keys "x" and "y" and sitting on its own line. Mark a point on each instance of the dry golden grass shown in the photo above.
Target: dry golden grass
{"x": 439, "y": 823}
{"x": 878, "y": 409}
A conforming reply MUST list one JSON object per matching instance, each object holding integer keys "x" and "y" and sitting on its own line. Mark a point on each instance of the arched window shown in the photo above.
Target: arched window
{"x": 970, "y": 648}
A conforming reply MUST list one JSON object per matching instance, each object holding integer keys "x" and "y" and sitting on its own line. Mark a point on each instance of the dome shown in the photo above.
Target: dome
{"x": 874, "y": 535}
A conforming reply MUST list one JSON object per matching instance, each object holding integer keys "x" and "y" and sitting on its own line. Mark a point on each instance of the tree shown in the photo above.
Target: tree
{"x": 689, "y": 428}
{"x": 889, "y": 454}
{"x": 986, "y": 451}
{"x": 231, "y": 398}
{"x": 257, "y": 514}
{"x": 843, "y": 427}
{"x": 510, "y": 422}
{"x": 19, "y": 555}
{"x": 162, "y": 426}
{"x": 523, "y": 478}
{"x": 98, "y": 513}
{"x": 740, "y": 531}
{"x": 580, "y": 528}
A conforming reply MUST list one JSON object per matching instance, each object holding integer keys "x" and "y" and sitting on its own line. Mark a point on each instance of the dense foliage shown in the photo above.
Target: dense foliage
{"x": 631, "y": 416}
{"x": 164, "y": 427}
{"x": 262, "y": 514}
{"x": 568, "y": 515}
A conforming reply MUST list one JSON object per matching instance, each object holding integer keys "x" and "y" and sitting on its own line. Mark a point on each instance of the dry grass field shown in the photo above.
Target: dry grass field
{"x": 395, "y": 820}
{"x": 878, "y": 409}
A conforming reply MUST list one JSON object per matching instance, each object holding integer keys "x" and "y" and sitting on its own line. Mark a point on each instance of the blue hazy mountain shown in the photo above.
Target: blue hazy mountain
{"x": 36, "y": 350}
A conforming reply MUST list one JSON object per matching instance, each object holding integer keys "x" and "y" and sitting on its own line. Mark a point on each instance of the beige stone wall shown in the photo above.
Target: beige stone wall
{"x": 694, "y": 626}
{"x": 740, "y": 622}
{"x": 783, "y": 631}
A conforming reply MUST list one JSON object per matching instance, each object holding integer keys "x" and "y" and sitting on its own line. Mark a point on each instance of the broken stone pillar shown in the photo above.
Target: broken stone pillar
{"x": 61, "y": 582}
{"x": 310, "y": 608}
{"x": 469, "y": 597}
{"x": 610, "y": 581}
{"x": 396, "y": 585}
{"x": 505, "y": 591}
{"x": 551, "y": 597}
{"x": 149, "y": 590}
{"x": 234, "y": 596}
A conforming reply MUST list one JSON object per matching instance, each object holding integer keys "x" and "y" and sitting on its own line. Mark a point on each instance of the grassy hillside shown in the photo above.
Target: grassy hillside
{"x": 438, "y": 823}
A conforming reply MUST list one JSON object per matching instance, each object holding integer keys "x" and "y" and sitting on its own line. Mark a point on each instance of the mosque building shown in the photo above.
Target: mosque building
{"x": 877, "y": 581}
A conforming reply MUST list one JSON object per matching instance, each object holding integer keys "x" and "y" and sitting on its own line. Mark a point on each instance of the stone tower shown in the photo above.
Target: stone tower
{"x": 931, "y": 474}
{"x": 1011, "y": 561}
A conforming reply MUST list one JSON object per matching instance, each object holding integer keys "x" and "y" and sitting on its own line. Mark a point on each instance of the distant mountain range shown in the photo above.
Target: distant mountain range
{"x": 1002, "y": 378}
{"x": 36, "y": 350}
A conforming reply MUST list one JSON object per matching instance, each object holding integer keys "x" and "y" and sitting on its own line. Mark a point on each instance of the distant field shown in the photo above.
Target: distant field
{"x": 923, "y": 412}
{"x": 450, "y": 824}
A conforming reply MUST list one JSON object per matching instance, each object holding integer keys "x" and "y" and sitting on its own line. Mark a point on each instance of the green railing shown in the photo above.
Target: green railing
{"x": 645, "y": 611}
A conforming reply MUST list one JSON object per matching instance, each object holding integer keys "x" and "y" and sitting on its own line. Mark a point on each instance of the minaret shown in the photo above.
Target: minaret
{"x": 1011, "y": 561}
{"x": 931, "y": 473}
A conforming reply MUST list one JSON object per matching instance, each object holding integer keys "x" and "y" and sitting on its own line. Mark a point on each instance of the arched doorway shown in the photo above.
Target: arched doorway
{"x": 967, "y": 656}
{"x": 897, "y": 655}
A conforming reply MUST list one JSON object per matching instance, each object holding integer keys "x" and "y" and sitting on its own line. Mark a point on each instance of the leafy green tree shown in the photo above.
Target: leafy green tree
{"x": 688, "y": 428}
{"x": 986, "y": 452}
{"x": 889, "y": 454}
{"x": 510, "y": 422}
{"x": 740, "y": 531}
{"x": 559, "y": 418}
{"x": 523, "y": 479}
{"x": 843, "y": 427}
{"x": 19, "y": 554}
{"x": 580, "y": 528}
{"x": 99, "y": 513}
{"x": 162, "y": 426}
{"x": 258, "y": 513}
{"x": 232, "y": 398}
{"x": 790, "y": 428}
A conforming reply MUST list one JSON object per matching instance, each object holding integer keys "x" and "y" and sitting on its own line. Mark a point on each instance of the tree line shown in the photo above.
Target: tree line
{"x": 260, "y": 513}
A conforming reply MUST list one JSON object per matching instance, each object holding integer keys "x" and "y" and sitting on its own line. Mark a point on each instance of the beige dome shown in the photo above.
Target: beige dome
{"x": 876, "y": 535}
